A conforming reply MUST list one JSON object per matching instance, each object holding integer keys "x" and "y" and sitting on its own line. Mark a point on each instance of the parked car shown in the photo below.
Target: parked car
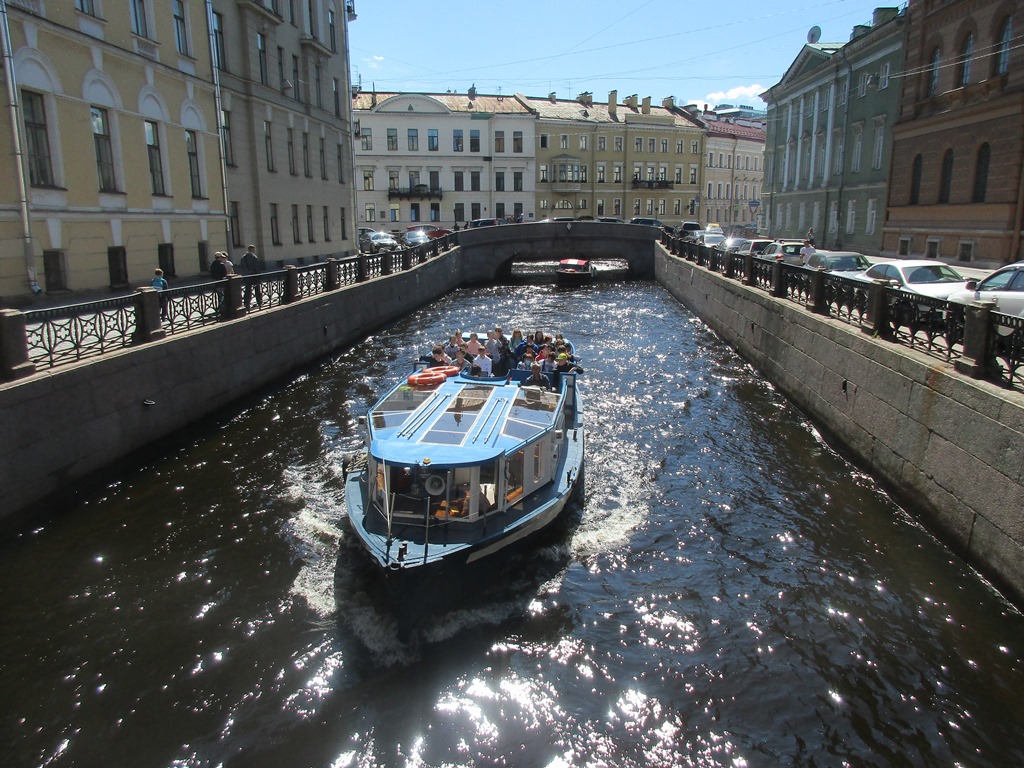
{"x": 486, "y": 222}
{"x": 730, "y": 244}
{"x": 752, "y": 246}
{"x": 381, "y": 241}
{"x": 715, "y": 228}
{"x": 694, "y": 235}
{"x": 415, "y": 237}
{"x": 839, "y": 261}
{"x": 365, "y": 233}
{"x": 1004, "y": 286}
{"x": 783, "y": 250}
{"x": 558, "y": 218}
{"x": 711, "y": 238}
{"x": 683, "y": 228}
{"x": 647, "y": 222}
{"x": 431, "y": 230}
{"x": 926, "y": 277}
{"x": 610, "y": 220}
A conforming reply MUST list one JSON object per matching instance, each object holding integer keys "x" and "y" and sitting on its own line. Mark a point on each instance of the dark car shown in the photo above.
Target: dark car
{"x": 432, "y": 231}
{"x": 610, "y": 220}
{"x": 486, "y": 222}
{"x": 684, "y": 228}
{"x": 646, "y": 222}
{"x": 839, "y": 261}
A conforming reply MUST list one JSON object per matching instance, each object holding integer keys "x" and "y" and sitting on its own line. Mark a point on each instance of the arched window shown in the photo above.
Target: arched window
{"x": 946, "y": 180}
{"x": 1003, "y": 47}
{"x": 915, "y": 181}
{"x": 966, "y": 56}
{"x": 981, "y": 173}
{"x": 933, "y": 72}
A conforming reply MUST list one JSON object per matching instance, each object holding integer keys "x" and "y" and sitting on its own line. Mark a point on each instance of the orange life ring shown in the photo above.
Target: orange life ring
{"x": 427, "y": 378}
{"x": 449, "y": 370}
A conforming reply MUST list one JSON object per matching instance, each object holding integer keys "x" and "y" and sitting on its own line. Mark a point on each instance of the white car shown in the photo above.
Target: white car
{"x": 753, "y": 246}
{"x": 783, "y": 250}
{"x": 1004, "y": 286}
{"x": 926, "y": 277}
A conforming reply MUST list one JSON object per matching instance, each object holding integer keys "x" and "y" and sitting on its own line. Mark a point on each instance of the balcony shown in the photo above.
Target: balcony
{"x": 566, "y": 186}
{"x": 415, "y": 192}
{"x": 653, "y": 184}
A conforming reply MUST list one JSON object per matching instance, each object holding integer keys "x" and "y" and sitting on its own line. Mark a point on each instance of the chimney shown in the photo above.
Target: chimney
{"x": 472, "y": 92}
{"x": 883, "y": 15}
{"x": 630, "y": 101}
{"x": 647, "y": 105}
{"x": 613, "y": 103}
{"x": 859, "y": 30}
{"x": 669, "y": 102}
{"x": 586, "y": 99}
{"x": 553, "y": 97}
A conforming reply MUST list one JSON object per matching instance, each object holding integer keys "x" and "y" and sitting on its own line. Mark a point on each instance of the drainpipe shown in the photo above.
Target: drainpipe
{"x": 18, "y": 137}
{"x": 212, "y": 39}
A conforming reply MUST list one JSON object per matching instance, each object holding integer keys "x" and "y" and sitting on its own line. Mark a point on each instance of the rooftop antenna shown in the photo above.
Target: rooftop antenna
{"x": 813, "y": 35}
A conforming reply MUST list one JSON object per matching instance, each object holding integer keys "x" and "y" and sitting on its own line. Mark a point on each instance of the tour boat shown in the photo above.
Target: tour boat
{"x": 457, "y": 473}
{"x": 574, "y": 271}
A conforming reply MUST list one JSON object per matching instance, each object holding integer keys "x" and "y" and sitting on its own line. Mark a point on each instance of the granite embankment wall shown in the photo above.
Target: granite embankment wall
{"x": 58, "y": 427}
{"x": 949, "y": 447}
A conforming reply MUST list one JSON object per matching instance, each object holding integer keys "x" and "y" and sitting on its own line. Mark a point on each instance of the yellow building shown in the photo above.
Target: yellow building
{"x": 615, "y": 160}
{"x": 114, "y": 163}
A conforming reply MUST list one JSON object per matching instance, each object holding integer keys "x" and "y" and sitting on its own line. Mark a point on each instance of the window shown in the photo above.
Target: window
{"x": 414, "y": 212}
{"x": 946, "y": 178}
{"x": 638, "y": 144}
{"x": 192, "y": 150}
{"x": 457, "y": 140}
{"x": 617, "y": 173}
{"x": 474, "y": 210}
{"x": 309, "y": 224}
{"x": 679, "y": 146}
{"x": 840, "y": 145}
{"x": 366, "y": 136}
{"x": 1003, "y": 47}
{"x": 474, "y": 182}
{"x": 695, "y": 147}
{"x": 394, "y": 212}
{"x": 281, "y": 79}
{"x": 915, "y": 181}
{"x": 499, "y": 181}
{"x": 844, "y": 91}
{"x": 435, "y": 212}
{"x": 140, "y": 21}
{"x": 337, "y": 96}
{"x": 877, "y": 147}
{"x": 602, "y": 145}
{"x": 499, "y": 141}
{"x": 862, "y": 89}
{"x": 543, "y": 139}
{"x": 296, "y": 237}
{"x": 296, "y": 91}
{"x": 156, "y": 166}
{"x": 332, "y": 33}
{"x": 368, "y": 180}
{"x": 261, "y": 55}
{"x": 327, "y": 225}
{"x": 459, "y": 181}
{"x": 225, "y": 135}
{"x": 583, "y": 141}
{"x": 869, "y": 222}
{"x": 275, "y": 232}
{"x": 392, "y": 139}
{"x": 933, "y": 72}
{"x": 317, "y": 79}
{"x": 104, "y": 150}
{"x": 323, "y": 159}
{"x": 858, "y": 137}
{"x": 413, "y": 136}
{"x": 650, "y": 147}
{"x": 517, "y": 142}
{"x": 305, "y": 156}
{"x": 563, "y": 141}
{"x": 219, "y": 59}
{"x": 517, "y": 181}
{"x": 474, "y": 140}
{"x": 291, "y": 152}
{"x": 87, "y": 7}
{"x": 618, "y": 143}
{"x": 268, "y": 144}
{"x": 693, "y": 174}
{"x": 981, "y": 173}
{"x": 903, "y": 249}
{"x": 341, "y": 175}
{"x": 392, "y": 179}
{"x": 40, "y": 167}
{"x": 460, "y": 212}
{"x": 600, "y": 173}
{"x": 664, "y": 145}
{"x": 851, "y": 216}
{"x": 833, "y": 217}
{"x": 370, "y": 212}
{"x": 432, "y": 143}
{"x": 966, "y": 57}
{"x": 180, "y": 26}
{"x": 883, "y": 77}
{"x": 435, "y": 181}
{"x": 617, "y": 206}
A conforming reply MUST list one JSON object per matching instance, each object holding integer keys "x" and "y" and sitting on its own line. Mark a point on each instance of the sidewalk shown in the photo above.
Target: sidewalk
{"x": 69, "y": 298}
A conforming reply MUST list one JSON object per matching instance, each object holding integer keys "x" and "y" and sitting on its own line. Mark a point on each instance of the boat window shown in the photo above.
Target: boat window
{"x": 514, "y": 476}
{"x": 459, "y": 417}
{"x": 532, "y": 412}
{"x": 398, "y": 407}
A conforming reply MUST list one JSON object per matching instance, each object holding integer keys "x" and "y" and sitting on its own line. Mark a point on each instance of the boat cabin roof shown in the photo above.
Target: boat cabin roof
{"x": 460, "y": 422}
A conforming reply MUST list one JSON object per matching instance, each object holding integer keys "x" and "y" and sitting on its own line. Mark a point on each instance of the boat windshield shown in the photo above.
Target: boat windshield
{"x": 399, "y": 405}
{"x": 532, "y": 412}
{"x": 459, "y": 417}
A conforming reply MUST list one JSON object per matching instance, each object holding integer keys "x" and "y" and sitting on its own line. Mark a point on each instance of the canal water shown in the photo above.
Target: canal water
{"x": 729, "y": 592}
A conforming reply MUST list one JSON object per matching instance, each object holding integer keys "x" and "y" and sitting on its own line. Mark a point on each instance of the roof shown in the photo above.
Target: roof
{"x": 452, "y": 102}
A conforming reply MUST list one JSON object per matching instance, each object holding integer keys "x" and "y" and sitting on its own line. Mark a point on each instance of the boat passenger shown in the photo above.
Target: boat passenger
{"x": 514, "y": 341}
{"x": 474, "y": 370}
{"x": 562, "y": 365}
{"x": 454, "y": 341}
{"x": 473, "y": 345}
{"x": 521, "y": 348}
{"x": 527, "y": 362}
{"x": 536, "y": 378}
{"x": 484, "y": 362}
{"x": 438, "y": 357}
{"x": 462, "y": 359}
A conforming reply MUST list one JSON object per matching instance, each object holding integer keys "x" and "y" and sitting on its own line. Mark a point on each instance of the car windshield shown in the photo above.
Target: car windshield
{"x": 847, "y": 263}
{"x": 932, "y": 273}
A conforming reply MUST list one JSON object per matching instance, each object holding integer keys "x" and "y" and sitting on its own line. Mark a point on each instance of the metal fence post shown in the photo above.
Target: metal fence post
{"x": 818, "y": 304}
{"x": 333, "y": 279}
{"x": 233, "y": 304}
{"x": 364, "y": 268}
{"x": 291, "y": 285}
{"x": 748, "y": 269}
{"x": 878, "y": 309}
{"x": 14, "y": 362}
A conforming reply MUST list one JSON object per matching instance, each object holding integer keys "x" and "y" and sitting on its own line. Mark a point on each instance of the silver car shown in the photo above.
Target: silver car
{"x": 1005, "y": 287}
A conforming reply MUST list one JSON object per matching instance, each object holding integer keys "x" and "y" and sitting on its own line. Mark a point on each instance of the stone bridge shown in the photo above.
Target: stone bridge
{"x": 488, "y": 252}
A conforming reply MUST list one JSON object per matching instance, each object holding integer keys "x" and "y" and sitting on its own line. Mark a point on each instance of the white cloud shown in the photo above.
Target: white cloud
{"x": 742, "y": 94}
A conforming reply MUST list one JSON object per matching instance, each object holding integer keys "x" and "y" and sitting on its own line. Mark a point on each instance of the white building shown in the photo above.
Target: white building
{"x": 442, "y": 158}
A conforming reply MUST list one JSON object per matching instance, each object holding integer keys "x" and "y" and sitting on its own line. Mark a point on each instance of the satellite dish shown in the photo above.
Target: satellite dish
{"x": 813, "y": 35}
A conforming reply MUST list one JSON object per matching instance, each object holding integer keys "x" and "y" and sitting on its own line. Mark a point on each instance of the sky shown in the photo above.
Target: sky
{"x": 726, "y": 52}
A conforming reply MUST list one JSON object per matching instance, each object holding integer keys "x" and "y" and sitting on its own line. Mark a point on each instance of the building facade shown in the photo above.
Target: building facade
{"x": 956, "y": 189}
{"x": 733, "y": 173}
{"x": 829, "y": 138}
{"x": 113, "y": 167}
{"x": 287, "y": 127}
{"x": 622, "y": 160}
{"x": 442, "y": 158}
